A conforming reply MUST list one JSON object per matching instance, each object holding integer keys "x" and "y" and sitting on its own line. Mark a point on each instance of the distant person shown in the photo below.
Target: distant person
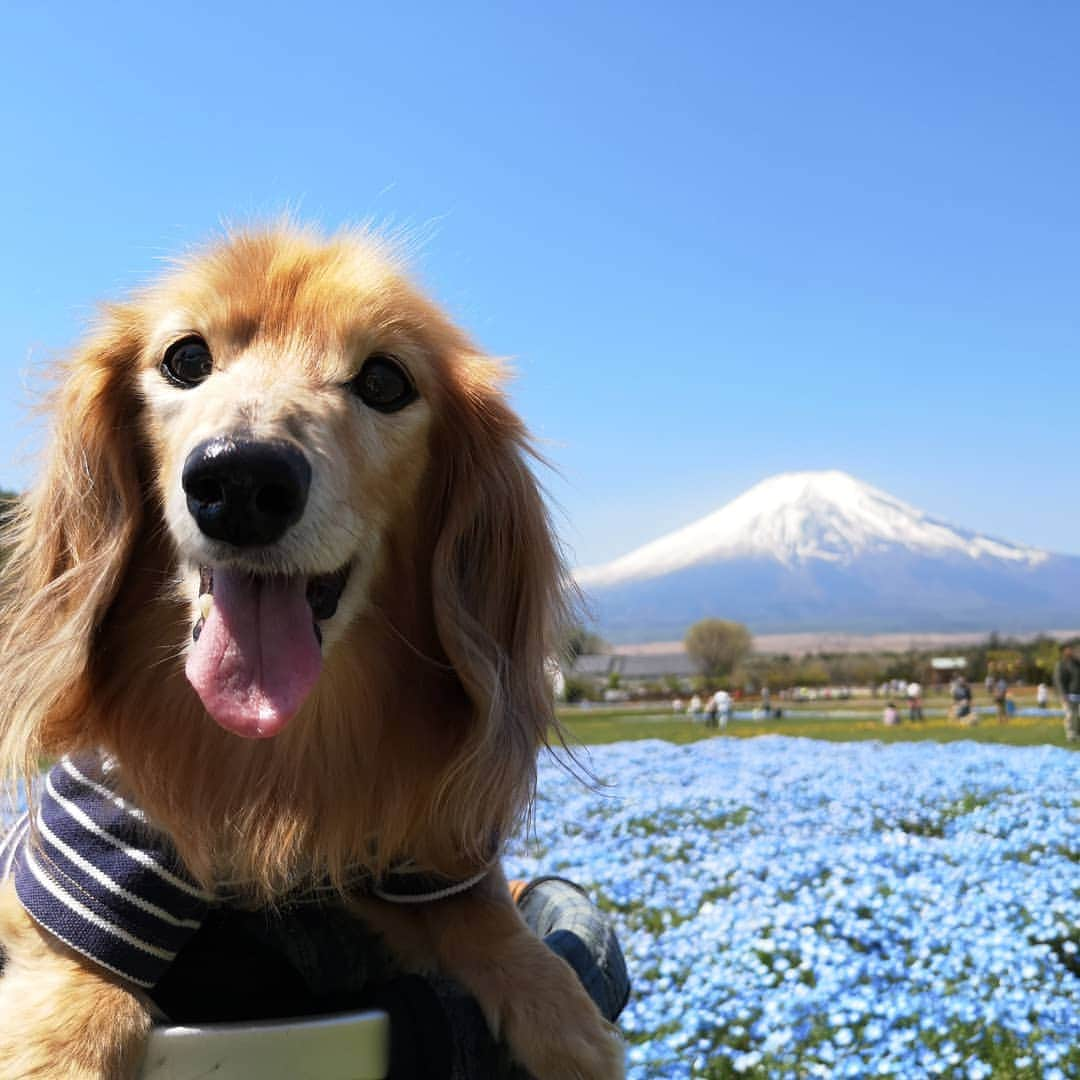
{"x": 766, "y": 698}
{"x": 1001, "y": 698}
{"x": 914, "y": 701}
{"x": 891, "y": 716}
{"x": 961, "y": 709}
{"x": 720, "y": 710}
{"x": 1042, "y": 695}
{"x": 694, "y": 708}
{"x": 1067, "y": 685}
{"x": 710, "y": 712}
{"x": 678, "y": 705}
{"x": 725, "y": 708}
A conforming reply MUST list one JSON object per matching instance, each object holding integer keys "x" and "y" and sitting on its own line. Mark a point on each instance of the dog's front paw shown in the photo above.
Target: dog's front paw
{"x": 43, "y": 1052}
{"x": 59, "y": 1020}
{"x": 561, "y": 1035}
{"x": 34, "y": 1058}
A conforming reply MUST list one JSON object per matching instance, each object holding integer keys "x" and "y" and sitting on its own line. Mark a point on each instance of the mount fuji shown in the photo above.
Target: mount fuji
{"x": 824, "y": 551}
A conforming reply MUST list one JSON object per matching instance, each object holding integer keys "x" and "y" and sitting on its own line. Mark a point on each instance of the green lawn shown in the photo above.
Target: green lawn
{"x": 858, "y": 720}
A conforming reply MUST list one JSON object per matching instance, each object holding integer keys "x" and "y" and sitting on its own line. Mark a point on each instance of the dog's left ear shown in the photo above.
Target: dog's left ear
{"x": 70, "y": 541}
{"x": 499, "y": 593}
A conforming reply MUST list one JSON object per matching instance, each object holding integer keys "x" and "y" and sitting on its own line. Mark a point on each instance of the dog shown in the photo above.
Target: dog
{"x": 288, "y": 578}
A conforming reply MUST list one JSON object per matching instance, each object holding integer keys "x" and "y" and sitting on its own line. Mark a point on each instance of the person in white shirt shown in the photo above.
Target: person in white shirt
{"x": 914, "y": 700}
{"x": 720, "y": 709}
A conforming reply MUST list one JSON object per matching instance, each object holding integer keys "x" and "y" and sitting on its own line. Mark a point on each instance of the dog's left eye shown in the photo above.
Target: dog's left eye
{"x": 187, "y": 362}
{"x": 383, "y": 384}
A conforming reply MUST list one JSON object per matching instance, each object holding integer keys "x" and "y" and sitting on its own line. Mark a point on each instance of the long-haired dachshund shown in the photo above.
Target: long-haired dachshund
{"x": 281, "y": 602}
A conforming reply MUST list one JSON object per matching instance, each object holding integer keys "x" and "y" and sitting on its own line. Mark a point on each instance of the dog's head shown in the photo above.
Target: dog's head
{"x": 290, "y": 393}
{"x": 308, "y": 462}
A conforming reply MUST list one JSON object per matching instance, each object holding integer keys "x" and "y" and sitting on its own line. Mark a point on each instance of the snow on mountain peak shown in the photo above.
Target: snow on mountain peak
{"x": 799, "y": 516}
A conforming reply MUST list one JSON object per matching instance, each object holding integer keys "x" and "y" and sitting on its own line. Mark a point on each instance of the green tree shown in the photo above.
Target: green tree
{"x": 1044, "y": 655}
{"x": 811, "y": 672}
{"x": 717, "y": 646}
{"x": 1005, "y": 662}
{"x": 577, "y": 690}
{"x": 581, "y": 642}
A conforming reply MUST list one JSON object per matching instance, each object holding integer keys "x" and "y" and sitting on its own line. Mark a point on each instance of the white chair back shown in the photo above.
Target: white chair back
{"x": 345, "y": 1046}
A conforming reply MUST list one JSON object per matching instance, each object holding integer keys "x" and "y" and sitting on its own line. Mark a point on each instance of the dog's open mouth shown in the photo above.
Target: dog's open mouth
{"x": 257, "y": 645}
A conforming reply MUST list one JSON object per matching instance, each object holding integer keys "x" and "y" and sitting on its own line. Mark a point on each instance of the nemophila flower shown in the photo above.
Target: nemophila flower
{"x": 799, "y": 908}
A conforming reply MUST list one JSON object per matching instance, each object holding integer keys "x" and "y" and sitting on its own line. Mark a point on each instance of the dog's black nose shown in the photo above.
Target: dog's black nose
{"x": 246, "y": 492}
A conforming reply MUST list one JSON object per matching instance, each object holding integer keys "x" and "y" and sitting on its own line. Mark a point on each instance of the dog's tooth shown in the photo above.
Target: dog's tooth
{"x": 206, "y": 605}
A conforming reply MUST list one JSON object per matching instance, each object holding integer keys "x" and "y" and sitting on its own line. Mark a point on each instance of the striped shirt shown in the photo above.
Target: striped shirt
{"x": 91, "y": 870}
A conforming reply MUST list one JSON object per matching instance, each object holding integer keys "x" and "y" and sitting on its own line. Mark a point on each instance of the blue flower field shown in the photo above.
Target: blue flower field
{"x": 793, "y": 908}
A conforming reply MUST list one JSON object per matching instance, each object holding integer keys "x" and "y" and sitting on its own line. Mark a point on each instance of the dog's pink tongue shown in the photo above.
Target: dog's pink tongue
{"x": 257, "y": 657}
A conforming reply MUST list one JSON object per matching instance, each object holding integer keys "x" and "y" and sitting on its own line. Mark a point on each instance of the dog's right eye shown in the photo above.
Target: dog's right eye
{"x": 383, "y": 384}
{"x": 187, "y": 362}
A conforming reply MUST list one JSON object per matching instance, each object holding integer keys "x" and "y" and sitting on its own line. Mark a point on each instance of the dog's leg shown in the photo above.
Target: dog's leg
{"x": 59, "y": 1016}
{"x": 531, "y": 998}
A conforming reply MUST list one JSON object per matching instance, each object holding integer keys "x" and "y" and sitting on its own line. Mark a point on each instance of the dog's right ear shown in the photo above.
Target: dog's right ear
{"x": 69, "y": 541}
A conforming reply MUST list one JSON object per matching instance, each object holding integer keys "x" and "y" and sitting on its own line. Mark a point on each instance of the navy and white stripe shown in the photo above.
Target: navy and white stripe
{"x": 402, "y": 886}
{"x": 10, "y": 845}
{"x": 91, "y": 871}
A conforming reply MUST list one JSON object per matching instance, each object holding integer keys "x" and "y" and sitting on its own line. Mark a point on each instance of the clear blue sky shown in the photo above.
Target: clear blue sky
{"x": 720, "y": 241}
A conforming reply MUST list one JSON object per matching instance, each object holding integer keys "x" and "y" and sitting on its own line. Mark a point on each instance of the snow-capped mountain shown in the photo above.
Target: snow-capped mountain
{"x": 822, "y": 550}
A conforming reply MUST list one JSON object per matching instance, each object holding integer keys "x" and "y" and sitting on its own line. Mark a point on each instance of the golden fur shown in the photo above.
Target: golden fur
{"x": 420, "y": 738}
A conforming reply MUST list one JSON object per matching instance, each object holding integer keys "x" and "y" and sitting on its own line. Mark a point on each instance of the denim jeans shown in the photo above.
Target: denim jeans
{"x": 560, "y": 913}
